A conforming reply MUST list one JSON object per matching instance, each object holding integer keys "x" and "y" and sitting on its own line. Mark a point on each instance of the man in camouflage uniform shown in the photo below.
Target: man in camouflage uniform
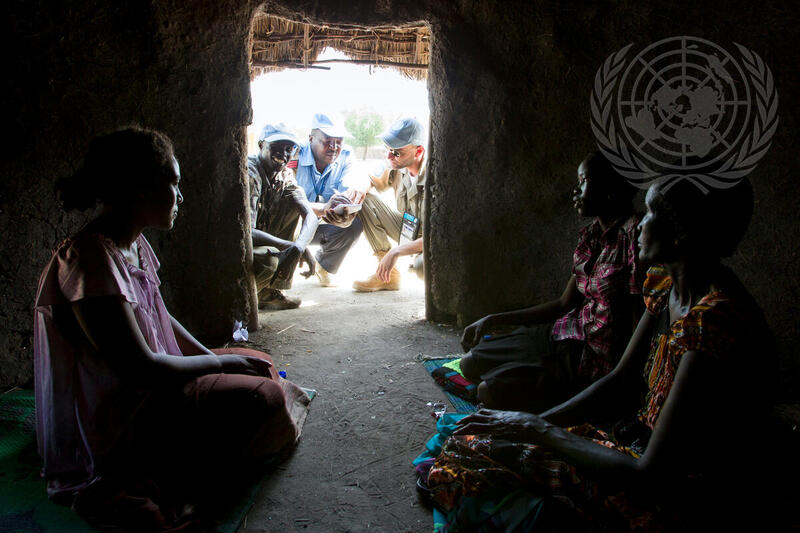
{"x": 276, "y": 205}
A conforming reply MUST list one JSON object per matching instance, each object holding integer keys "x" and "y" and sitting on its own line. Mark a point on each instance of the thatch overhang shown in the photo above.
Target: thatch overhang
{"x": 280, "y": 43}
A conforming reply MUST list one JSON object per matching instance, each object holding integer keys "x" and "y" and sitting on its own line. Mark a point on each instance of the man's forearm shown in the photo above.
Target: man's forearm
{"x": 409, "y": 248}
{"x": 307, "y": 231}
{"x": 262, "y": 238}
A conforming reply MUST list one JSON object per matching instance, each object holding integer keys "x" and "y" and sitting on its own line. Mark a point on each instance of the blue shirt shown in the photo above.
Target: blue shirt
{"x": 322, "y": 184}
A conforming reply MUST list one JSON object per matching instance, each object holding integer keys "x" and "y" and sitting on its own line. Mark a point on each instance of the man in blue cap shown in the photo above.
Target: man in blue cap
{"x": 276, "y": 204}
{"x": 405, "y": 144}
{"x": 323, "y": 165}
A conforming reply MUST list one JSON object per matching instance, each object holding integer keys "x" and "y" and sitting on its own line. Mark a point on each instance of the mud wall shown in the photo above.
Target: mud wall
{"x": 509, "y": 91}
{"x": 510, "y": 85}
{"x": 82, "y": 68}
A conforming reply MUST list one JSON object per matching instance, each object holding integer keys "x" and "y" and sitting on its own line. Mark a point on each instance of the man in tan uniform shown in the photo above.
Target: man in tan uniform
{"x": 405, "y": 142}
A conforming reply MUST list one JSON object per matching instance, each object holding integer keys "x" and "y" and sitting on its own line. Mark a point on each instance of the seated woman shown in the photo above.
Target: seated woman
{"x": 536, "y": 367}
{"x": 136, "y": 420}
{"x": 697, "y": 373}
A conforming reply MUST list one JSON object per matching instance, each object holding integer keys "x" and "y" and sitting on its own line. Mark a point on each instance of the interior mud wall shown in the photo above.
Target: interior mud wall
{"x": 509, "y": 91}
{"x": 81, "y": 68}
{"x": 510, "y": 86}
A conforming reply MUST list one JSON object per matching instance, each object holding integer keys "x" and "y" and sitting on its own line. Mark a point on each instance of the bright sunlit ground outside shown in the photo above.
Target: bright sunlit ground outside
{"x": 293, "y": 96}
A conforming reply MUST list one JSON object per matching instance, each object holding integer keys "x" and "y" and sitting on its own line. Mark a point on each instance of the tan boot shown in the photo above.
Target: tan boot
{"x": 326, "y": 279}
{"x": 372, "y": 283}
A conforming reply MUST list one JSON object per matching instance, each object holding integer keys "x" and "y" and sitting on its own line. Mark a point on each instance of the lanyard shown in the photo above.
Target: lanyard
{"x": 320, "y": 187}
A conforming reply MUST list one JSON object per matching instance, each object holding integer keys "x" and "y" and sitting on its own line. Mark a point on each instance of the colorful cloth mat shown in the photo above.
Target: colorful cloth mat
{"x": 515, "y": 511}
{"x": 447, "y": 374}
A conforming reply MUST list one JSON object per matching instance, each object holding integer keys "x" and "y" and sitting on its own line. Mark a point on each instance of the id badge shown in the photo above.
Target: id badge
{"x": 410, "y": 230}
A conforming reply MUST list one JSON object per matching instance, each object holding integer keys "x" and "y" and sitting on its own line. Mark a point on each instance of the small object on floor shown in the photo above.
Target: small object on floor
{"x": 282, "y": 373}
{"x": 437, "y": 409}
{"x": 275, "y": 300}
{"x": 373, "y": 284}
{"x": 310, "y": 392}
{"x": 240, "y": 333}
{"x": 326, "y": 279}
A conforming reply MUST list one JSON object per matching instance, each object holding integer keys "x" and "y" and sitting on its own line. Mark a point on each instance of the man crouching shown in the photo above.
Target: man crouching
{"x": 405, "y": 144}
{"x": 276, "y": 204}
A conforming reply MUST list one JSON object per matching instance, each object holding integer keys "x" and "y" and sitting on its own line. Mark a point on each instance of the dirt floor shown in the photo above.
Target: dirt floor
{"x": 361, "y": 352}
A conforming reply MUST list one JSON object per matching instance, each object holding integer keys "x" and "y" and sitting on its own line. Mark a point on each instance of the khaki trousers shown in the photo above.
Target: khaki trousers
{"x": 381, "y": 223}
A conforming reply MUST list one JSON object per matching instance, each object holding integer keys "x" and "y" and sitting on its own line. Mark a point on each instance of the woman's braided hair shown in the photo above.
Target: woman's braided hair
{"x": 117, "y": 165}
{"x": 711, "y": 221}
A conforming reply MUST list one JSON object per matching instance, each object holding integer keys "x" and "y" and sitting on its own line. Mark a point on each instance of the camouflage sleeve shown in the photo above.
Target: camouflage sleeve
{"x": 254, "y": 187}
{"x": 293, "y": 191}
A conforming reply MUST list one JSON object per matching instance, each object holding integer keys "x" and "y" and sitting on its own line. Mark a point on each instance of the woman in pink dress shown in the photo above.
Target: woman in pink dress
{"x": 136, "y": 419}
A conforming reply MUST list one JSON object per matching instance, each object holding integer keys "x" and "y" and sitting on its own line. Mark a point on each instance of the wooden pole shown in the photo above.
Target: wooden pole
{"x": 294, "y": 64}
{"x": 329, "y": 37}
{"x": 306, "y": 45}
{"x": 286, "y": 64}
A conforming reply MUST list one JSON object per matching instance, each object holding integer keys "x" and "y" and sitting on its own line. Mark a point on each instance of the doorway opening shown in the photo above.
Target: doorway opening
{"x": 364, "y": 78}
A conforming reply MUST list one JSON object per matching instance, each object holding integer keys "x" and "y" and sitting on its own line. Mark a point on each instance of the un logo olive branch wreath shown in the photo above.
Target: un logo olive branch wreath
{"x": 631, "y": 165}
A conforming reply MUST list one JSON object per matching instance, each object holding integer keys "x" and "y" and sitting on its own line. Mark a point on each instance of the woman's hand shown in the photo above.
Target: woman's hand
{"x": 244, "y": 364}
{"x": 473, "y": 333}
{"x": 512, "y": 425}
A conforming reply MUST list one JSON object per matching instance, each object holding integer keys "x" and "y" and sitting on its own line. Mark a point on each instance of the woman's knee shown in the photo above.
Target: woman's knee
{"x": 484, "y": 394}
{"x": 501, "y": 395}
{"x": 265, "y": 397}
{"x": 251, "y": 416}
{"x": 231, "y": 397}
{"x": 469, "y": 368}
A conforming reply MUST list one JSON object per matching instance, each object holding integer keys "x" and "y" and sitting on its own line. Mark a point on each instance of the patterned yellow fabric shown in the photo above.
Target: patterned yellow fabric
{"x": 712, "y": 326}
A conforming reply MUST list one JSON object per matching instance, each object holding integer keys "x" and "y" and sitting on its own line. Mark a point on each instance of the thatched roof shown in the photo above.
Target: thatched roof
{"x": 279, "y": 43}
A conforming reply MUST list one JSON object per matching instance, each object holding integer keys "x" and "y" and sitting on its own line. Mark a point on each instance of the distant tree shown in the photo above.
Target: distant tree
{"x": 363, "y": 127}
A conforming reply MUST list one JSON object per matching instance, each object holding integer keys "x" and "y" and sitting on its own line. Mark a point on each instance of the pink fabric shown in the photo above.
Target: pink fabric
{"x": 82, "y": 406}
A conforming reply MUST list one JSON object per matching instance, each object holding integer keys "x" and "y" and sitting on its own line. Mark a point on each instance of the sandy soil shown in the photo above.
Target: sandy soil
{"x": 352, "y": 469}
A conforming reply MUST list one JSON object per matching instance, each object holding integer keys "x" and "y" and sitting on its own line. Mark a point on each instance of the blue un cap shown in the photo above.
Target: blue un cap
{"x": 404, "y": 132}
{"x": 327, "y": 126}
{"x": 276, "y": 132}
